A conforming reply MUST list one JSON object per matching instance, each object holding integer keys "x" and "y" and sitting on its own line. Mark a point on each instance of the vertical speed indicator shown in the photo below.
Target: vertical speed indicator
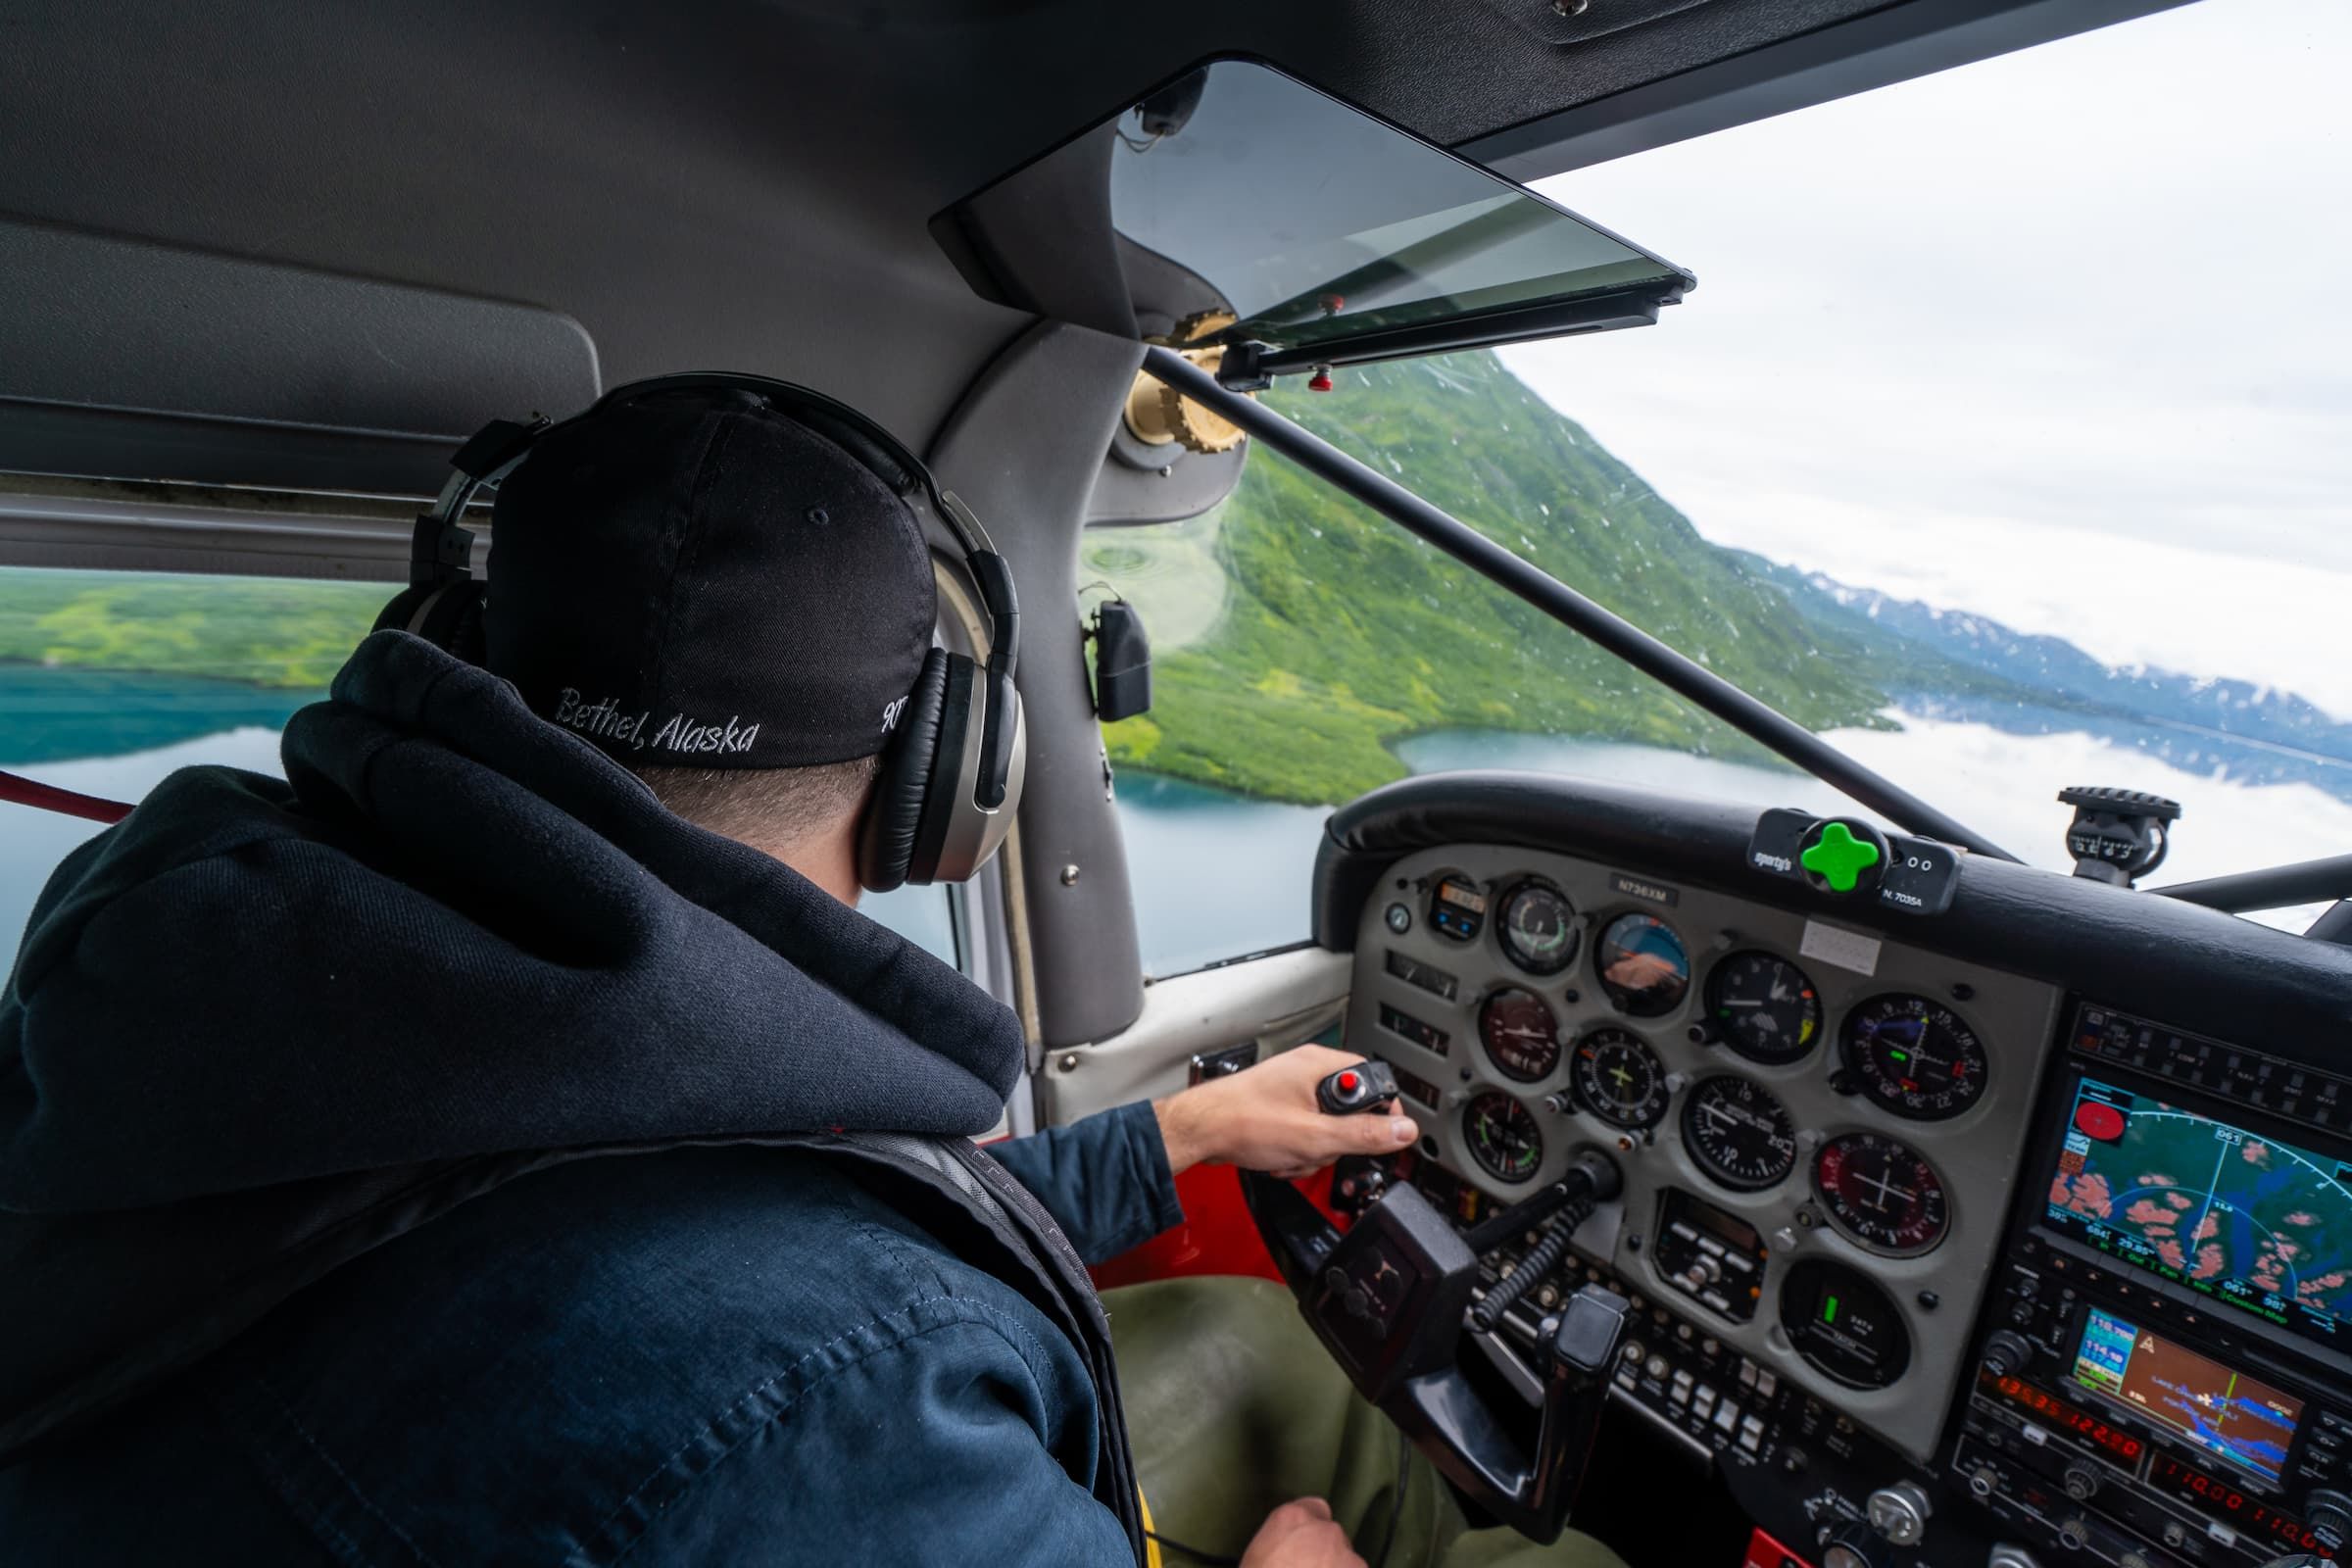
{"x": 1738, "y": 1133}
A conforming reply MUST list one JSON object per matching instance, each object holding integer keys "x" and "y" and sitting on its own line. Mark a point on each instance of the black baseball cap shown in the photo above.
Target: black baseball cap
{"x": 692, "y": 579}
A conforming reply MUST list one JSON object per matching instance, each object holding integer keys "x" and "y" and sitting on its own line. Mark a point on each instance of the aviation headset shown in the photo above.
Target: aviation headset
{"x": 951, "y": 773}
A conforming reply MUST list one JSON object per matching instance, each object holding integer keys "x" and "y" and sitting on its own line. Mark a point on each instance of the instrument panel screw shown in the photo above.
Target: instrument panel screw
{"x": 1962, "y": 991}
{"x": 1069, "y": 1062}
{"x": 1930, "y": 1300}
{"x": 1070, "y": 876}
{"x": 1570, "y": 8}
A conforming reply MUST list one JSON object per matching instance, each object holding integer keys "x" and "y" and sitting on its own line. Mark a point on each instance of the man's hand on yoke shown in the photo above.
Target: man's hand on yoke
{"x": 1267, "y": 1118}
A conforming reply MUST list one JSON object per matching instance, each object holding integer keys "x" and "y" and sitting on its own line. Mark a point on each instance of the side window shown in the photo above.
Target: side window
{"x": 110, "y": 680}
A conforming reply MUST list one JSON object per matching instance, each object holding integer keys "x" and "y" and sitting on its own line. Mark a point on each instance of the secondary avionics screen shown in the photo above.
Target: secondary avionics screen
{"x": 2245, "y": 1219}
{"x": 2224, "y": 1412}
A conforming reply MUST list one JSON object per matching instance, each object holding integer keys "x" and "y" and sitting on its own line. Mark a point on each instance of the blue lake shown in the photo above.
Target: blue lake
{"x": 1216, "y": 876}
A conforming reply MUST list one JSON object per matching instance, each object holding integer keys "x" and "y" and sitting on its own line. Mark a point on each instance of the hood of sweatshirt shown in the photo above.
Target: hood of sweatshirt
{"x": 260, "y": 1027}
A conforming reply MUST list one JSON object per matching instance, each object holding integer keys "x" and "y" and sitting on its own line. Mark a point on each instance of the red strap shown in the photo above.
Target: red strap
{"x": 21, "y": 790}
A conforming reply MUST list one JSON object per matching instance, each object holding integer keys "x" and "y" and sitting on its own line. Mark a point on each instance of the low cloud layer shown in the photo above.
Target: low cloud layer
{"x": 2061, "y": 337}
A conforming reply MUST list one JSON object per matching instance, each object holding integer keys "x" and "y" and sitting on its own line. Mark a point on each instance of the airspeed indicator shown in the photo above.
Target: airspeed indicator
{"x": 1538, "y": 928}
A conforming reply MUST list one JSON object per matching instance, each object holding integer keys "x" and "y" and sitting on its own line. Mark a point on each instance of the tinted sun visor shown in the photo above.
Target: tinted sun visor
{"x": 1324, "y": 236}
{"x": 127, "y": 360}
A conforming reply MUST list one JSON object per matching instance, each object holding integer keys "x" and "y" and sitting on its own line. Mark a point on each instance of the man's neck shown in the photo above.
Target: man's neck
{"x": 830, "y": 862}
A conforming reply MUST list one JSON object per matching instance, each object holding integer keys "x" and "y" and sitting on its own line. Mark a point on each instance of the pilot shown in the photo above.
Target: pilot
{"x": 505, "y": 1142}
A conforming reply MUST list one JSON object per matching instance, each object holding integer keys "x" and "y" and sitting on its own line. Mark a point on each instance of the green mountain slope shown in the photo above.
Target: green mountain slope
{"x": 1338, "y": 634}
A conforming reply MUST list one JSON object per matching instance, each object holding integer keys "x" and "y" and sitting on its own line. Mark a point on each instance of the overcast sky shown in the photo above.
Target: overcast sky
{"x": 2063, "y": 338}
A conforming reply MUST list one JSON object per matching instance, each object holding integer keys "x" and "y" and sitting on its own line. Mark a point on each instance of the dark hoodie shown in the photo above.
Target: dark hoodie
{"x": 262, "y": 1033}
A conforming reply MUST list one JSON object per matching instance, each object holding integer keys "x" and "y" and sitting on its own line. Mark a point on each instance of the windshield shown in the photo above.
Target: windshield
{"x": 2000, "y": 449}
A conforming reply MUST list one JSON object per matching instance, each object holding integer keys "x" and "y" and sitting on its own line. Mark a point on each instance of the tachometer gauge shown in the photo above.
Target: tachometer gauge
{"x": 1521, "y": 1037}
{"x": 1881, "y": 1192}
{"x": 1915, "y": 1056}
{"x": 1738, "y": 1133}
{"x": 1503, "y": 1136}
{"x": 1538, "y": 928}
{"x": 1641, "y": 965}
{"x": 1619, "y": 1079}
{"x": 1765, "y": 1008}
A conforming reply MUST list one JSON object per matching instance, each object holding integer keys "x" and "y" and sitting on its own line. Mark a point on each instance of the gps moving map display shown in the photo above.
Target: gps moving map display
{"x": 2243, "y": 1218}
{"x": 2224, "y": 1412}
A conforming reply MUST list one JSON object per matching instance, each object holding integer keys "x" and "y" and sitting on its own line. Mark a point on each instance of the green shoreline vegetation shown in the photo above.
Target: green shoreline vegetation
{"x": 275, "y": 633}
{"x": 1298, "y": 637}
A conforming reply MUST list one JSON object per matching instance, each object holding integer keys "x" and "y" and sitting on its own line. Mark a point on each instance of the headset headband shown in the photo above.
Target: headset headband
{"x": 442, "y": 548}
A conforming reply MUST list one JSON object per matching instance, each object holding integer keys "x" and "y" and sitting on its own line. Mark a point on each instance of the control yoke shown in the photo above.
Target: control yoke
{"x": 1391, "y": 1301}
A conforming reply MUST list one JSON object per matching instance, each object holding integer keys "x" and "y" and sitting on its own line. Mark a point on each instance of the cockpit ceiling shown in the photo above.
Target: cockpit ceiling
{"x": 748, "y": 184}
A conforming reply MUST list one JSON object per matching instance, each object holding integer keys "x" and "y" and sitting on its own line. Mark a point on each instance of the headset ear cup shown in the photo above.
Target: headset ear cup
{"x": 894, "y": 821}
{"x": 396, "y": 616}
{"x": 450, "y": 617}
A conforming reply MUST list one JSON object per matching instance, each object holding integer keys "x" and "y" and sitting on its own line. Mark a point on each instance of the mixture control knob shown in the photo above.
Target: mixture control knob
{"x": 2005, "y": 1353}
{"x": 1899, "y": 1512}
{"x": 2328, "y": 1514}
{"x": 2081, "y": 1482}
{"x": 1856, "y": 1545}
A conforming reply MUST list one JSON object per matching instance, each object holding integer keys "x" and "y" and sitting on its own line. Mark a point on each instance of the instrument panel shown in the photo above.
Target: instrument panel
{"x": 1854, "y": 1105}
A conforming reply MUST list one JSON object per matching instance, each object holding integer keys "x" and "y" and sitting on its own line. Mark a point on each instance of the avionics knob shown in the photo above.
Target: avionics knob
{"x": 1856, "y": 1545}
{"x": 1899, "y": 1512}
{"x": 2005, "y": 1353}
{"x": 2081, "y": 1482}
{"x": 1702, "y": 1272}
{"x": 2330, "y": 1516}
